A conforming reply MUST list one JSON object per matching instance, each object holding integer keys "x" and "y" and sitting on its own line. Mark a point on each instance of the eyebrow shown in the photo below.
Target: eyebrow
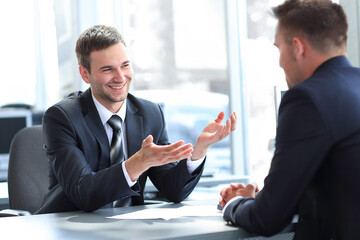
{"x": 126, "y": 62}
{"x": 111, "y": 66}
{"x": 107, "y": 66}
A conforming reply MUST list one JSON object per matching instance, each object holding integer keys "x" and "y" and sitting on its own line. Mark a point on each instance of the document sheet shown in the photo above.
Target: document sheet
{"x": 170, "y": 213}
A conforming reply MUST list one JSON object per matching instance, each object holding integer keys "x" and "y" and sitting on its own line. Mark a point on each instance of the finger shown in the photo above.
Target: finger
{"x": 225, "y": 131}
{"x": 227, "y": 128}
{"x": 223, "y": 192}
{"x": 222, "y": 202}
{"x": 180, "y": 149}
{"x": 219, "y": 132}
{"x": 181, "y": 155}
{"x": 147, "y": 141}
{"x": 220, "y": 117}
{"x": 181, "y": 152}
{"x": 233, "y": 118}
{"x": 256, "y": 187}
{"x": 234, "y": 114}
{"x": 176, "y": 144}
{"x": 173, "y": 146}
{"x": 251, "y": 187}
{"x": 236, "y": 186}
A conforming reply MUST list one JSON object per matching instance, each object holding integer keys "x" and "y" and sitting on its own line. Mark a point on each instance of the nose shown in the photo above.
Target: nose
{"x": 119, "y": 75}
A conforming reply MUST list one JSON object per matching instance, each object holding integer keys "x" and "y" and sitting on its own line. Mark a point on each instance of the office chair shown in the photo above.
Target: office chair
{"x": 27, "y": 173}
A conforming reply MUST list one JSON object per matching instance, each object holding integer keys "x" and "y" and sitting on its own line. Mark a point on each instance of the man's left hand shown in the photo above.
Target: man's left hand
{"x": 213, "y": 132}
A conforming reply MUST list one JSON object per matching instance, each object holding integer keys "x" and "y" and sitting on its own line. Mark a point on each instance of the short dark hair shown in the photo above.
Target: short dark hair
{"x": 95, "y": 38}
{"x": 321, "y": 22}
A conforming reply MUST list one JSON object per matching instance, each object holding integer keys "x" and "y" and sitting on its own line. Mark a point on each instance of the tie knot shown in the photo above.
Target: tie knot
{"x": 115, "y": 122}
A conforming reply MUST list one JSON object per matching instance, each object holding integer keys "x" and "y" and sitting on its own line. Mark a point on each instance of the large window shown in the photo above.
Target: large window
{"x": 28, "y": 65}
{"x": 197, "y": 58}
{"x": 180, "y": 60}
{"x": 262, "y": 76}
{"x": 194, "y": 57}
{"x": 17, "y": 62}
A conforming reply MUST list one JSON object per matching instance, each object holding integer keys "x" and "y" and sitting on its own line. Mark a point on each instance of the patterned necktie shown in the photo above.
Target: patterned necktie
{"x": 117, "y": 154}
{"x": 116, "y": 151}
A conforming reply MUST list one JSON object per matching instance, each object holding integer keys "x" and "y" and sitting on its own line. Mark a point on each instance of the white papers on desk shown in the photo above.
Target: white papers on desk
{"x": 170, "y": 213}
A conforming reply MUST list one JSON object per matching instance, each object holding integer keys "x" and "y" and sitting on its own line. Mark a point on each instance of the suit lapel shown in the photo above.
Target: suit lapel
{"x": 134, "y": 128}
{"x": 94, "y": 123}
{"x": 133, "y": 124}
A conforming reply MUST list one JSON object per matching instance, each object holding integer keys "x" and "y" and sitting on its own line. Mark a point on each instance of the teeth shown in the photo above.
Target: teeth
{"x": 118, "y": 87}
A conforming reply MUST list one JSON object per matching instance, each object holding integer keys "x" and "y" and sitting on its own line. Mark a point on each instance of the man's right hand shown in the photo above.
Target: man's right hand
{"x": 237, "y": 189}
{"x": 151, "y": 155}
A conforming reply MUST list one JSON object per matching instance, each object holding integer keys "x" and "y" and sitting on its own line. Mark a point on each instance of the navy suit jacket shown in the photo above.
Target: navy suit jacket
{"x": 76, "y": 143}
{"x": 315, "y": 171}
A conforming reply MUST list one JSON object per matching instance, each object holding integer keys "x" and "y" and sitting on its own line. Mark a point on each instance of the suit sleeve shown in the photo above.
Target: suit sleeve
{"x": 66, "y": 149}
{"x": 302, "y": 142}
{"x": 173, "y": 180}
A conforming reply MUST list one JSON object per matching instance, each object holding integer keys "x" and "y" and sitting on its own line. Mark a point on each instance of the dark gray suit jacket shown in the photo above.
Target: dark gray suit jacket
{"x": 76, "y": 143}
{"x": 315, "y": 171}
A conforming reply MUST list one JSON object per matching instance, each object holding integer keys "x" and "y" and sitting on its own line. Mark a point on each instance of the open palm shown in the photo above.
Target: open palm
{"x": 213, "y": 133}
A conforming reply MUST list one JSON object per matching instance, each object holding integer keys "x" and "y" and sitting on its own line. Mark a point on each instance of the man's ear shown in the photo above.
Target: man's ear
{"x": 84, "y": 73}
{"x": 298, "y": 47}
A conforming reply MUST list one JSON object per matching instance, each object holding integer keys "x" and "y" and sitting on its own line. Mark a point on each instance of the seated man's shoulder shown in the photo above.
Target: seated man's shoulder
{"x": 70, "y": 101}
{"x": 74, "y": 95}
{"x": 69, "y": 105}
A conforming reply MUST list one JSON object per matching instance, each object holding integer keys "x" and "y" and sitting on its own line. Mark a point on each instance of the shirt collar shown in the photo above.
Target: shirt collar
{"x": 106, "y": 114}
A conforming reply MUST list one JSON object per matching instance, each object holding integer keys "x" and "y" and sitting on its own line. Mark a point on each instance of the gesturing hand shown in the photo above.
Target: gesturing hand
{"x": 151, "y": 155}
{"x": 157, "y": 155}
{"x": 213, "y": 133}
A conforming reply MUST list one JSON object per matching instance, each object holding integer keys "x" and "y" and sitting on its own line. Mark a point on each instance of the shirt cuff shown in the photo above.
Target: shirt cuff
{"x": 231, "y": 200}
{"x": 193, "y": 165}
{"x": 126, "y": 174}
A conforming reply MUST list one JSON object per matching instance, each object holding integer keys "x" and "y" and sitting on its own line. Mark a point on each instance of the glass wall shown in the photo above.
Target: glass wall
{"x": 28, "y": 64}
{"x": 17, "y": 64}
{"x": 263, "y": 77}
{"x": 179, "y": 55}
{"x": 184, "y": 55}
{"x": 195, "y": 58}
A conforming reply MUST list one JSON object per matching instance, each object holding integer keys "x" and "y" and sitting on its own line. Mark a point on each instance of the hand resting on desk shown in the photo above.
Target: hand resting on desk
{"x": 237, "y": 189}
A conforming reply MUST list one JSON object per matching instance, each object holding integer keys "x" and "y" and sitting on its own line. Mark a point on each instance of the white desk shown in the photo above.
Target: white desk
{"x": 203, "y": 183}
{"x": 96, "y": 225}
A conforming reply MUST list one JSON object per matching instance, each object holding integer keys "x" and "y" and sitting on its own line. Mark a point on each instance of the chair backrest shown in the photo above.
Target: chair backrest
{"x": 28, "y": 179}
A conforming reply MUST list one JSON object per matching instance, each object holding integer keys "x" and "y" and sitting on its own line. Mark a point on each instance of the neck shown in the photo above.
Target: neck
{"x": 315, "y": 59}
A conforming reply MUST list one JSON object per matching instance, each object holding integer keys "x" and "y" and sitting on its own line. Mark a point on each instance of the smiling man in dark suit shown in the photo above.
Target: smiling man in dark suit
{"x": 315, "y": 171}
{"x": 78, "y": 137}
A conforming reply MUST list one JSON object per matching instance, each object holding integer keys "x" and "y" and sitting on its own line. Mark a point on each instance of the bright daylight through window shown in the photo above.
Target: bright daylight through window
{"x": 183, "y": 59}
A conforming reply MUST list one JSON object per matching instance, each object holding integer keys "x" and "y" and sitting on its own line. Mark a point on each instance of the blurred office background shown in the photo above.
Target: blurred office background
{"x": 194, "y": 57}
